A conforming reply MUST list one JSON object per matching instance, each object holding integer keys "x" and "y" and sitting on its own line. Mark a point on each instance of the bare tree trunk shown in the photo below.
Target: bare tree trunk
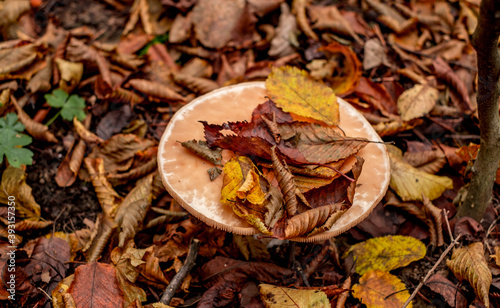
{"x": 485, "y": 41}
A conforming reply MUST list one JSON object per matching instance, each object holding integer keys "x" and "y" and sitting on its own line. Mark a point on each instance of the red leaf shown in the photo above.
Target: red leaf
{"x": 95, "y": 285}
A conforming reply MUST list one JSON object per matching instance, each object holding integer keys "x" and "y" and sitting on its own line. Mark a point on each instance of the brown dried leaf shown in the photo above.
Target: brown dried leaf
{"x": 70, "y": 73}
{"x": 201, "y": 149}
{"x": 443, "y": 71}
{"x": 151, "y": 272}
{"x": 299, "y": 9}
{"x": 304, "y": 223}
{"x": 441, "y": 285}
{"x": 285, "y": 34}
{"x": 196, "y": 84}
{"x": 428, "y": 161}
{"x": 286, "y": 183}
{"x": 41, "y": 80}
{"x": 13, "y": 59}
{"x": 134, "y": 173}
{"x": 11, "y": 10}
{"x": 84, "y": 133}
{"x": 329, "y": 18}
{"x": 35, "y": 129}
{"x": 132, "y": 210}
{"x": 396, "y": 126}
{"x": 107, "y": 196}
{"x": 96, "y": 285}
{"x": 156, "y": 89}
{"x": 78, "y": 51}
{"x": 103, "y": 229}
{"x": 14, "y": 184}
{"x": 65, "y": 175}
{"x": 381, "y": 289}
{"x": 417, "y": 101}
{"x": 50, "y": 255}
{"x": 470, "y": 264}
{"x": 26, "y": 225}
{"x": 434, "y": 214}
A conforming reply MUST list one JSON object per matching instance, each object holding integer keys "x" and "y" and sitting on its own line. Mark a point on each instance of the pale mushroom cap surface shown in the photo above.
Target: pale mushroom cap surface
{"x": 185, "y": 175}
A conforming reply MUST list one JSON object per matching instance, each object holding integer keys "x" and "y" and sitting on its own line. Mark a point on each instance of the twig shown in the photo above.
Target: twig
{"x": 431, "y": 271}
{"x": 185, "y": 269}
{"x": 445, "y": 212}
{"x": 302, "y": 275}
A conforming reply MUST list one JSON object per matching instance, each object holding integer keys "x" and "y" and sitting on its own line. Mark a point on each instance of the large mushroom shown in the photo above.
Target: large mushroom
{"x": 185, "y": 175}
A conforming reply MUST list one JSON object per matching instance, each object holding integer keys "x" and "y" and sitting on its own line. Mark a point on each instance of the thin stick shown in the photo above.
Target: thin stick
{"x": 185, "y": 269}
{"x": 431, "y": 271}
{"x": 448, "y": 225}
{"x": 302, "y": 275}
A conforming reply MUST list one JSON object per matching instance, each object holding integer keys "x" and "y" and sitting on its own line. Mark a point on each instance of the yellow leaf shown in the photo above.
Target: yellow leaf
{"x": 386, "y": 253}
{"x": 380, "y": 289}
{"x": 470, "y": 264}
{"x": 279, "y": 297}
{"x": 294, "y": 91}
{"x": 411, "y": 183}
{"x": 71, "y": 74}
{"x": 61, "y": 289}
{"x": 417, "y": 101}
{"x": 249, "y": 194}
{"x": 13, "y": 189}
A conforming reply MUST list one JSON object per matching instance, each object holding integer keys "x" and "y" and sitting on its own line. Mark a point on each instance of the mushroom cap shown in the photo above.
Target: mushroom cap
{"x": 185, "y": 176}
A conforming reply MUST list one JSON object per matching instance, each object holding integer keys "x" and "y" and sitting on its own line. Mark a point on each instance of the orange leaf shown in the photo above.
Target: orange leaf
{"x": 96, "y": 285}
{"x": 381, "y": 289}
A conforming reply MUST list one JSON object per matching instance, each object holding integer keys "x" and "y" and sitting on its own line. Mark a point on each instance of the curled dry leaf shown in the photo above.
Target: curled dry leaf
{"x": 286, "y": 183}
{"x": 103, "y": 229}
{"x": 84, "y": 133}
{"x": 410, "y": 183}
{"x": 428, "y": 161}
{"x": 393, "y": 127}
{"x": 299, "y": 9}
{"x": 434, "y": 214}
{"x": 385, "y": 253}
{"x": 346, "y": 68}
{"x": 443, "y": 71}
{"x": 247, "y": 192}
{"x": 69, "y": 167}
{"x": 71, "y": 73}
{"x": 156, "y": 89}
{"x": 306, "y": 222}
{"x": 286, "y": 34}
{"x": 294, "y": 91}
{"x": 329, "y": 18}
{"x": 381, "y": 289}
{"x": 278, "y": 297}
{"x": 417, "y": 101}
{"x": 35, "y": 129}
{"x": 201, "y": 149}
{"x": 135, "y": 173}
{"x": 132, "y": 210}
{"x": 14, "y": 184}
{"x": 26, "y": 225}
{"x": 196, "y": 84}
{"x": 470, "y": 264}
{"x": 107, "y": 196}
{"x": 79, "y": 51}
{"x": 11, "y": 10}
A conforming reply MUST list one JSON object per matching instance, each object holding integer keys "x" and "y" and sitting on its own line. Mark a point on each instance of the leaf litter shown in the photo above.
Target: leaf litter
{"x": 85, "y": 188}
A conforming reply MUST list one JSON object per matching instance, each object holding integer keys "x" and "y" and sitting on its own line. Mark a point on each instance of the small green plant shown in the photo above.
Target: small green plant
{"x": 12, "y": 141}
{"x": 71, "y": 106}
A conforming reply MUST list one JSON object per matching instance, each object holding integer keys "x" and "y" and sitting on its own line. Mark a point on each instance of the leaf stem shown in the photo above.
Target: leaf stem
{"x": 53, "y": 118}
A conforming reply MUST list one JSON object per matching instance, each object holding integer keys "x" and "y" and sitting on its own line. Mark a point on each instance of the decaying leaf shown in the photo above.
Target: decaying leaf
{"x": 201, "y": 149}
{"x": 307, "y": 221}
{"x": 279, "y": 297}
{"x": 417, "y": 101}
{"x": 95, "y": 284}
{"x": 99, "y": 237}
{"x": 385, "y": 253}
{"x": 26, "y": 225}
{"x": 285, "y": 34}
{"x": 35, "y": 129}
{"x": 71, "y": 74}
{"x": 41, "y": 80}
{"x": 410, "y": 183}
{"x": 14, "y": 184}
{"x": 294, "y": 91}
{"x": 156, "y": 89}
{"x": 381, "y": 289}
{"x": 299, "y": 9}
{"x": 286, "y": 183}
{"x": 132, "y": 210}
{"x": 247, "y": 192}
{"x": 198, "y": 85}
{"x": 14, "y": 59}
{"x": 470, "y": 264}
{"x": 107, "y": 196}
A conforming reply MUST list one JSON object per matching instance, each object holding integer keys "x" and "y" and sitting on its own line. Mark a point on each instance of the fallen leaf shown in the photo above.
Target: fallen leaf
{"x": 11, "y": 10}
{"x": 444, "y": 72}
{"x": 385, "y": 253}
{"x": 428, "y": 161}
{"x": 41, "y": 80}
{"x": 102, "y": 231}
{"x": 201, "y": 149}
{"x": 14, "y": 184}
{"x": 447, "y": 289}
{"x": 215, "y": 20}
{"x": 244, "y": 190}
{"x": 108, "y": 198}
{"x": 13, "y": 59}
{"x": 381, "y": 289}
{"x": 198, "y": 85}
{"x": 285, "y": 36}
{"x": 156, "y": 89}
{"x": 71, "y": 74}
{"x": 294, "y": 91}
{"x": 470, "y": 264}
{"x": 279, "y": 297}
{"x": 396, "y": 126}
{"x": 299, "y": 9}
{"x": 95, "y": 285}
{"x": 410, "y": 183}
{"x": 374, "y": 55}
{"x": 417, "y": 101}
{"x": 331, "y": 19}
{"x": 35, "y": 129}
{"x": 50, "y": 255}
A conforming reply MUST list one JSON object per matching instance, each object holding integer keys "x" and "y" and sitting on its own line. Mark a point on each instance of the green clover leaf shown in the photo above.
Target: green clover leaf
{"x": 12, "y": 141}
